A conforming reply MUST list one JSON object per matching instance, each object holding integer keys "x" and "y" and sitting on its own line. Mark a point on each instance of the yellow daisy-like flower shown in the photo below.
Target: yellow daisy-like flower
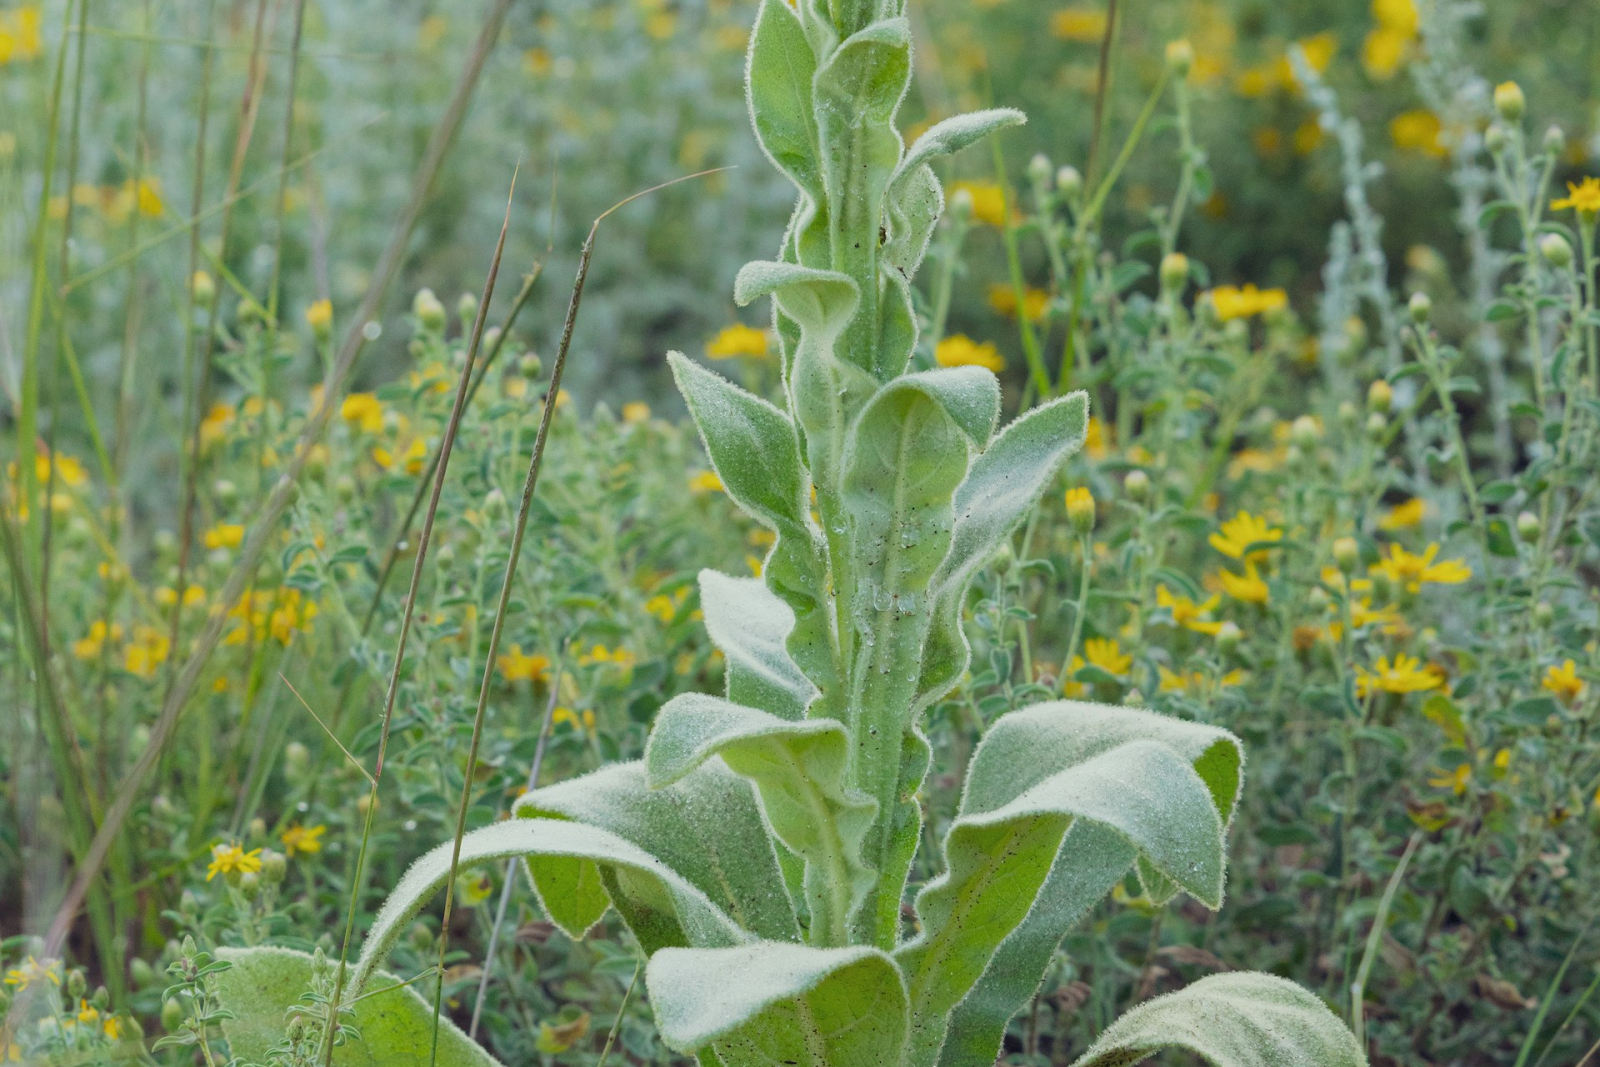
{"x": 738, "y": 341}
{"x": 1404, "y": 516}
{"x": 228, "y": 858}
{"x": 319, "y": 316}
{"x": 988, "y": 201}
{"x": 1564, "y": 682}
{"x": 224, "y": 535}
{"x": 33, "y": 971}
{"x": 1407, "y": 674}
{"x": 1187, "y": 614}
{"x": 1584, "y": 197}
{"x": 958, "y": 350}
{"x": 600, "y": 654}
{"x": 516, "y": 666}
{"x": 147, "y": 651}
{"x": 89, "y": 647}
{"x": 1003, "y": 298}
{"x": 705, "y": 482}
{"x": 1418, "y": 131}
{"x": 1236, "y": 302}
{"x": 1249, "y": 587}
{"x": 1102, "y": 652}
{"x": 1197, "y": 682}
{"x": 1085, "y": 25}
{"x": 635, "y": 412}
{"x": 1414, "y": 571}
{"x": 1242, "y": 531}
{"x": 363, "y": 410}
{"x": 299, "y": 839}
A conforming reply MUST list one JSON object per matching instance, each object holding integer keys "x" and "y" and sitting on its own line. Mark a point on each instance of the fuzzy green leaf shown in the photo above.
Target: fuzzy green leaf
{"x": 821, "y": 301}
{"x": 679, "y": 910}
{"x": 800, "y": 769}
{"x": 706, "y": 826}
{"x": 395, "y": 1022}
{"x": 1231, "y": 1020}
{"x": 781, "y": 66}
{"x": 751, "y": 625}
{"x": 768, "y": 1004}
{"x": 953, "y": 134}
{"x": 915, "y": 203}
{"x": 1018, "y": 752}
{"x": 1001, "y": 488}
{"x": 1004, "y": 842}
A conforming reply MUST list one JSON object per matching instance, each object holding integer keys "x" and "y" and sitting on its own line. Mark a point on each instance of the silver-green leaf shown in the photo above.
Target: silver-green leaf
{"x": 750, "y": 625}
{"x": 1231, "y": 1020}
{"x": 767, "y": 1004}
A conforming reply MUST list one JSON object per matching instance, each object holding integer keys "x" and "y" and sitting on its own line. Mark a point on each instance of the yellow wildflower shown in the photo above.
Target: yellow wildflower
{"x": 518, "y": 666}
{"x": 229, "y": 858}
{"x": 1094, "y": 441}
{"x": 1187, "y": 614}
{"x": 363, "y": 410}
{"x": 705, "y": 482}
{"x": 89, "y": 646}
{"x": 1242, "y": 531}
{"x": 566, "y": 715}
{"x": 1086, "y": 25}
{"x": 1564, "y": 682}
{"x": 1242, "y": 302}
{"x": 635, "y": 412}
{"x": 215, "y": 425}
{"x": 1407, "y": 674}
{"x": 1248, "y": 587}
{"x": 147, "y": 651}
{"x": 1102, "y": 652}
{"x": 1413, "y": 571}
{"x": 1003, "y": 298}
{"x": 958, "y": 350}
{"x": 32, "y": 971}
{"x": 1584, "y": 198}
{"x": 738, "y": 340}
{"x": 224, "y": 535}
{"x": 1456, "y": 781}
{"x": 1418, "y": 131}
{"x": 600, "y": 655}
{"x": 166, "y": 596}
{"x": 665, "y": 607}
{"x": 988, "y": 201}
{"x": 1405, "y": 515}
{"x": 20, "y": 36}
{"x": 319, "y": 316}
{"x": 299, "y": 839}
{"x": 1198, "y": 682}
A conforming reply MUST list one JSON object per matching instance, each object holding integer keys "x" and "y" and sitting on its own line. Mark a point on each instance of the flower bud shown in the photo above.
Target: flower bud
{"x": 961, "y": 205}
{"x": 1174, "y": 272}
{"x": 1137, "y": 486}
{"x": 494, "y": 503}
{"x": 1380, "y": 396}
{"x": 345, "y": 487}
{"x": 258, "y": 827}
{"x": 1509, "y": 101}
{"x": 204, "y": 288}
{"x": 1347, "y": 554}
{"x": 250, "y": 885}
{"x": 171, "y": 1015}
{"x": 1039, "y": 170}
{"x": 1180, "y": 57}
{"x": 274, "y": 865}
{"x": 530, "y": 366}
{"x": 77, "y": 985}
{"x": 1494, "y": 139}
{"x": 1543, "y": 613}
{"x": 467, "y": 308}
{"x": 227, "y": 493}
{"x": 1228, "y": 637}
{"x": 1421, "y": 308}
{"x": 1555, "y": 250}
{"x": 1349, "y": 414}
{"x": 1529, "y": 527}
{"x": 1555, "y": 141}
{"x": 141, "y": 972}
{"x": 296, "y": 758}
{"x": 1080, "y": 510}
{"x": 1305, "y": 432}
{"x": 428, "y": 310}
{"x": 1377, "y": 426}
{"x": 1069, "y": 183}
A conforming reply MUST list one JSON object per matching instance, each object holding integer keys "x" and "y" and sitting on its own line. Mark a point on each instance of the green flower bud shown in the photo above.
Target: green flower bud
{"x": 1069, "y": 183}
{"x": 1509, "y": 101}
{"x": 1556, "y": 251}
{"x": 1495, "y": 138}
{"x": 1039, "y": 170}
{"x": 1529, "y": 527}
{"x": 1080, "y": 510}
{"x": 274, "y": 866}
{"x": 1137, "y": 486}
{"x": 1305, "y": 432}
{"x": 1380, "y": 396}
{"x": 1180, "y": 57}
{"x": 467, "y": 309}
{"x": 1377, "y": 426}
{"x": 1421, "y": 308}
{"x": 530, "y": 366}
{"x": 1229, "y": 637}
{"x": 961, "y": 205}
{"x": 1555, "y": 141}
{"x": 428, "y": 310}
{"x": 1174, "y": 272}
{"x": 204, "y": 288}
{"x": 1347, "y": 554}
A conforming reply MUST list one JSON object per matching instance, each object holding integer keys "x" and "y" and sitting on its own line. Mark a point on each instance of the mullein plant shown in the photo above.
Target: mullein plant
{"x": 759, "y": 851}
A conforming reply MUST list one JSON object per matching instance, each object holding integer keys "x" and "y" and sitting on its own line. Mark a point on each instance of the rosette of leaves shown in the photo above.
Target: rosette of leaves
{"x": 759, "y": 851}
